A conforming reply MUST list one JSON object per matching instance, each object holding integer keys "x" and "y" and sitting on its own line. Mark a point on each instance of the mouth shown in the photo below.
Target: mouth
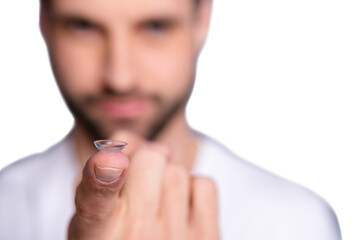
{"x": 124, "y": 109}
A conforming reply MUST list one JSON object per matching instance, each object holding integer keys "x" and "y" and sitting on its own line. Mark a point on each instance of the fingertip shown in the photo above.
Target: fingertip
{"x": 108, "y": 175}
{"x": 105, "y": 168}
{"x": 204, "y": 190}
{"x": 110, "y": 159}
{"x": 164, "y": 150}
{"x": 205, "y": 186}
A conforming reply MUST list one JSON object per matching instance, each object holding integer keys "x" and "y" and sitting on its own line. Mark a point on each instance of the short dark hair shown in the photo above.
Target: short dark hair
{"x": 45, "y": 3}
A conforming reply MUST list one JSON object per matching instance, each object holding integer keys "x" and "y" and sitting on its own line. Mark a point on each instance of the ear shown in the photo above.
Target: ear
{"x": 203, "y": 16}
{"x": 44, "y": 22}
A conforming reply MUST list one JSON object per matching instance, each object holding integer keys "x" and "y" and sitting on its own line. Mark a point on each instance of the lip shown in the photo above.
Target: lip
{"x": 124, "y": 109}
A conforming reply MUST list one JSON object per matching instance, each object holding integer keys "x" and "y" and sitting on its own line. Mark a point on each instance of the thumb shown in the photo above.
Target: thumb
{"x": 97, "y": 196}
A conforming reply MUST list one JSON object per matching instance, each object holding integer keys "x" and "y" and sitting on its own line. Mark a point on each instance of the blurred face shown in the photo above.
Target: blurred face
{"x": 124, "y": 64}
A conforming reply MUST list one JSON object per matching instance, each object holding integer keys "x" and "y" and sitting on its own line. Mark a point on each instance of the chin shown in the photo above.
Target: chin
{"x": 137, "y": 130}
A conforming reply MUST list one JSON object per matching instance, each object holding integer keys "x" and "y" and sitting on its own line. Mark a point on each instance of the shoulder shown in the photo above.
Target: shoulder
{"x": 32, "y": 176}
{"x": 23, "y": 170}
{"x": 258, "y": 199}
{"x": 36, "y": 166}
{"x": 36, "y": 193}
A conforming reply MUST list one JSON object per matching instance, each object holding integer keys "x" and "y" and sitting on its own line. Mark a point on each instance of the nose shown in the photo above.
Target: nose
{"x": 119, "y": 74}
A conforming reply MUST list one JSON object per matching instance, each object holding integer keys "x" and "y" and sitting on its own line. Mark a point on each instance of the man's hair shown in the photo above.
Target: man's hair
{"x": 45, "y": 3}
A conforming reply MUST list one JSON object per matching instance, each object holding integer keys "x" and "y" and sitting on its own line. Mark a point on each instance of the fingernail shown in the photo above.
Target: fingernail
{"x": 108, "y": 174}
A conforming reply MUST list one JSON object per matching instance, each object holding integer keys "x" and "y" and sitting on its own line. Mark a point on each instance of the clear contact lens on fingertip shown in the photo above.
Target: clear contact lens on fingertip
{"x": 110, "y": 145}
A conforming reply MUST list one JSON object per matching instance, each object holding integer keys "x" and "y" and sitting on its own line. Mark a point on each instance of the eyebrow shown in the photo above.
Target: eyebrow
{"x": 64, "y": 16}
{"x": 61, "y": 17}
{"x": 160, "y": 18}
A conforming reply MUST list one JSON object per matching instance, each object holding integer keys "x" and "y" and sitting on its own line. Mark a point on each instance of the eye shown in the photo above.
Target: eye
{"x": 157, "y": 26}
{"x": 79, "y": 25}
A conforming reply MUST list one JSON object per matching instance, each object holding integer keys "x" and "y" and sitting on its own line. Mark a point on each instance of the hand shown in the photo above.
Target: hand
{"x": 156, "y": 200}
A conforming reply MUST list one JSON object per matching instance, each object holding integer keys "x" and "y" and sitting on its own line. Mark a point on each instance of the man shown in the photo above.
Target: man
{"x": 126, "y": 70}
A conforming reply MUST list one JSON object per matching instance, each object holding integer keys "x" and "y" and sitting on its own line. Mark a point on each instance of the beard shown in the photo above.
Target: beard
{"x": 85, "y": 112}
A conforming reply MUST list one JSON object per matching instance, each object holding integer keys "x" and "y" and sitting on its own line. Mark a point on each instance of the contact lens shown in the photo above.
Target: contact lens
{"x": 110, "y": 145}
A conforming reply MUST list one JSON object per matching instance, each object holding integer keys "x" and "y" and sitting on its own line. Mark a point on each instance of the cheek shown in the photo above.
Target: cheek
{"x": 77, "y": 67}
{"x": 170, "y": 71}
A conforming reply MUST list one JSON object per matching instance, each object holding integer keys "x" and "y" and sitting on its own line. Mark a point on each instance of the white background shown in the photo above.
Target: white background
{"x": 278, "y": 83}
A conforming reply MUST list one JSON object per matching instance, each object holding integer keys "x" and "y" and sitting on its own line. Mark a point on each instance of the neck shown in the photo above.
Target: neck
{"x": 83, "y": 144}
{"x": 176, "y": 135}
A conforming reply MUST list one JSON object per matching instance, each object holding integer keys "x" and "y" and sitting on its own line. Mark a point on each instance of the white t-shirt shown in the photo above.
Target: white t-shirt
{"x": 37, "y": 198}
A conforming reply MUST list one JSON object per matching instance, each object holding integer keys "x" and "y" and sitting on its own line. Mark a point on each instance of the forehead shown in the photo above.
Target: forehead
{"x": 122, "y": 9}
